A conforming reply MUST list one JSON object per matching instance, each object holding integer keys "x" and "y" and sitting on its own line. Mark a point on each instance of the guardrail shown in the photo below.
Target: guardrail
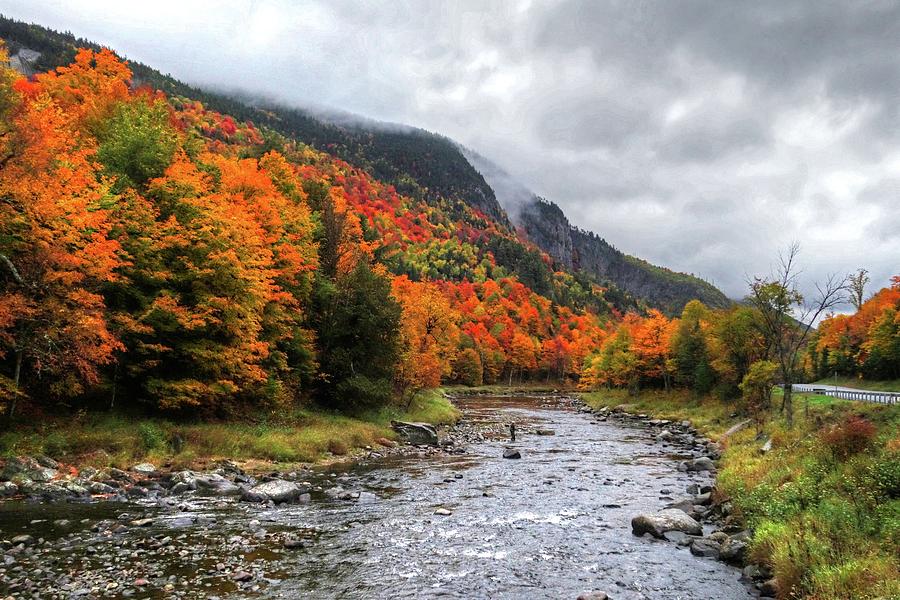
{"x": 858, "y": 395}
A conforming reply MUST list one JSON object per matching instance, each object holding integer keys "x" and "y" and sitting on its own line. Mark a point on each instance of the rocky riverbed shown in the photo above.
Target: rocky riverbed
{"x": 454, "y": 521}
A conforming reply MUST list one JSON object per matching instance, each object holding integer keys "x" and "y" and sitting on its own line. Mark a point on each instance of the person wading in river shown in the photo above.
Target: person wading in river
{"x": 512, "y": 432}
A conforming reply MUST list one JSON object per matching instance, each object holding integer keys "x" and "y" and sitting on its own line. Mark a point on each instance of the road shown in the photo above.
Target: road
{"x": 848, "y": 393}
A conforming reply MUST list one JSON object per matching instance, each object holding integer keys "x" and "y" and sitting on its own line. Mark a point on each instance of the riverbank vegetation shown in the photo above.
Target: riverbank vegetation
{"x": 303, "y": 435}
{"x": 823, "y": 501}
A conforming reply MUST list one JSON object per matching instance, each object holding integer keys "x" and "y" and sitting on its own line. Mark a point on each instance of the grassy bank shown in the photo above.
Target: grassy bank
{"x": 303, "y": 436}
{"x": 892, "y": 385}
{"x": 824, "y": 503}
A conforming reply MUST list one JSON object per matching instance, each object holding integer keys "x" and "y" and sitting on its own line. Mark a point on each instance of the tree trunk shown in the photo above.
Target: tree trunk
{"x": 115, "y": 383}
{"x": 10, "y": 413}
{"x": 788, "y": 404}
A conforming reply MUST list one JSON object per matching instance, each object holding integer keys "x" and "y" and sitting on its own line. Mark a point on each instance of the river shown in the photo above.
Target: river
{"x": 554, "y": 524}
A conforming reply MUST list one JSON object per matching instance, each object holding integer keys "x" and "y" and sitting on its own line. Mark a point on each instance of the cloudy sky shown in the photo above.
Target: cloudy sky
{"x": 704, "y": 136}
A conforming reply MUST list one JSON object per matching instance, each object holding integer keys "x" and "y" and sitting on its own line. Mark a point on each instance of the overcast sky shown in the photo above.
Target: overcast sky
{"x": 703, "y": 136}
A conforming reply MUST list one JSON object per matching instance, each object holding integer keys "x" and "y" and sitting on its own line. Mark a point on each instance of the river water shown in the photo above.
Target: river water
{"x": 554, "y": 524}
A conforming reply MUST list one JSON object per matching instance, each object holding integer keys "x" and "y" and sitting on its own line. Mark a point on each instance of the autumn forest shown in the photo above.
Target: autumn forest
{"x": 160, "y": 253}
{"x": 212, "y": 304}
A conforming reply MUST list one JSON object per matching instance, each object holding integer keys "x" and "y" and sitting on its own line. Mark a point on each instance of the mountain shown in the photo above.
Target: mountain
{"x": 575, "y": 249}
{"x": 424, "y": 166}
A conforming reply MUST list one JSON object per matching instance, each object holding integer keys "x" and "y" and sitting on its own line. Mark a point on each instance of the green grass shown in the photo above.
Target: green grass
{"x": 826, "y": 523}
{"x": 303, "y": 436}
{"x": 892, "y": 385}
{"x": 708, "y": 415}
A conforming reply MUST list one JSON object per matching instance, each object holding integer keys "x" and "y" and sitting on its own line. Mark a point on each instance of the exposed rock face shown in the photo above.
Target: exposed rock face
{"x": 576, "y": 249}
{"x": 416, "y": 433}
{"x": 669, "y": 519}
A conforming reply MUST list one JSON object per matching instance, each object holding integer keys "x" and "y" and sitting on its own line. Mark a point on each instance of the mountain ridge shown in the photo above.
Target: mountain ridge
{"x": 418, "y": 163}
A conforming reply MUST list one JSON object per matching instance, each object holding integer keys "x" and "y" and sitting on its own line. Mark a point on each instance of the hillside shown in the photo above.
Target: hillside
{"x": 545, "y": 224}
{"x": 421, "y": 165}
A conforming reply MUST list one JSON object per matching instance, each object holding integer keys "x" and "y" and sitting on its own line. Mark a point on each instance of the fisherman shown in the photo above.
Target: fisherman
{"x": 512, "y": 432}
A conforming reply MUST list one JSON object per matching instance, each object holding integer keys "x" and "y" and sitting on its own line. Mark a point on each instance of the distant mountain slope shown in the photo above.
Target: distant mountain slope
{"x": 424, "y": 166}
{"x": 420, "y": 164}
{"x": 545, "y": 224}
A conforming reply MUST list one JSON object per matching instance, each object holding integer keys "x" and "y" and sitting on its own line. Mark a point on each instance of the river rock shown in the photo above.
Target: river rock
{"x": 98, "y": 487}
{"x": 669, "y": 519}
{"x": 24, "y": 540}
{"x": 679, "y": 537}
{"x": 545, "y": 432}
{"x": 416, "y": 433}
{"x": 705, "y": 547}
{"x": 704, "y": 463}
{"x": 703, "y": 499}
{"x": 734, "y": 551}
{"x": 687, "y": 506}
{"x": 26, "y": 468}
{"x": 511, "y": 453}
{"x": 593, "y": 596}
{"x": 443, "y": 512}
{"x": 277, "y": 491}
{"x": 8, "y": 488}
{"x": 216, "y": 485}
{"x": 144, "y": 468}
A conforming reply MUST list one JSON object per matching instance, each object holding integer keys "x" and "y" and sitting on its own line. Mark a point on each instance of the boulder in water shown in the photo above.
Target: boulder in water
{"x": 669, "y": 519}
{"x": 511, "y": 453}
{"x": 416, "y": 433}
{"x": 277, "y": 490}
{"x": 705, "y": 547}
{"x": 704, "y": 463}
{"x": 216, "y": 485}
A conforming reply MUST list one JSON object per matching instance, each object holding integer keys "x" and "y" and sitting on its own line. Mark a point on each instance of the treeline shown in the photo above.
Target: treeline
{"x": 864, "y": 344}
{"x": 154, "y": 253}
{"x": 706, "y": 350}
{"x": 715, "y": 350}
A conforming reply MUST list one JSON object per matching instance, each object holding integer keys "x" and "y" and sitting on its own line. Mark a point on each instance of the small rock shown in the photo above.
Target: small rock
{"x": 24, "y": 540}
{"x": 443, "y": 512}
{"x": 294, "y": 544}
{"x": 704, "y": 463}
{"x": 142, "y": 522}
{"x": 144, "y": 468}
{"x": 593, "y": 596}
{"x": 242, "y": 576}
{"x": 705, "y": 547}
{"x": 511, "y": 453}
{"x": 769, "y": 587}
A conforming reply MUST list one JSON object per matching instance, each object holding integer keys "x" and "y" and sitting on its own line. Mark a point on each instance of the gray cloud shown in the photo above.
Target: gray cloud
{"x": 704, "y": 136}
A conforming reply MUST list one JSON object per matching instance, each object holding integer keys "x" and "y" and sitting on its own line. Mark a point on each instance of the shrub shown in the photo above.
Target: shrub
{"x": 151, "y": 436}
{"x": 56, "y": 445}
{"x": 849, "y": 437}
